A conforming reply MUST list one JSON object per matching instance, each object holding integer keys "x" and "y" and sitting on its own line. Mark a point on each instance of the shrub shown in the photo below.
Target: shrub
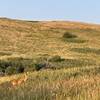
{"x": 10, "y": 70}
{"x": 40, "y": 63}
{"x": 14, "y": 70}
{"x": 72, "y": 38}
{"x": 20, "y": 69}
{"x": 30, "y": 66}
{"x": 69, "y": 35}
{"x": 15, "y": 65}
{"x": 56, "y": 58}
{"x": 39, "y": 66}
{"x": 44, "y": 63}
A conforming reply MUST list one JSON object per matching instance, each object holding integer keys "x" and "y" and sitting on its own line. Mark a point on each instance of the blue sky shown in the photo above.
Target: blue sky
{"x": 74, "y": 10}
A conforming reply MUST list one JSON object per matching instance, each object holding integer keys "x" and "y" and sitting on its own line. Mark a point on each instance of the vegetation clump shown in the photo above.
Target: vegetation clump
{"x": 86, "y": 50}
{"x": 56, "y": 58}
{"x": 14, "y": 65}
{"x": 69, "y": 35}
{"x": 20, "y": 65}
{"x": 72, "y": 38}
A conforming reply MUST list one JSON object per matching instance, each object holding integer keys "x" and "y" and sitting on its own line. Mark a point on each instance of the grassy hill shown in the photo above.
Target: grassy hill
{"x": 71, "y": 49}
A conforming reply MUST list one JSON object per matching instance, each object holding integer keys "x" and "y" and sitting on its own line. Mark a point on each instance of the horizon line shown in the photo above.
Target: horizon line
{"x": 50, "y": 20}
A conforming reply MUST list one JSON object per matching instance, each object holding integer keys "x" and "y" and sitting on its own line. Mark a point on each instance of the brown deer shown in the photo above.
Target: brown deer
{"x": 19, "y": 81}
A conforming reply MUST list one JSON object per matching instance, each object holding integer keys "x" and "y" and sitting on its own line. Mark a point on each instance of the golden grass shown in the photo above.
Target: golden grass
{"x": 33, "y": 39}
{"x": 72, "y": 84}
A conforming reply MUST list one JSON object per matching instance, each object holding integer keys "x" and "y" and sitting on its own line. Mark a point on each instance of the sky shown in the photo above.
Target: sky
{"x": 69, "y": 10}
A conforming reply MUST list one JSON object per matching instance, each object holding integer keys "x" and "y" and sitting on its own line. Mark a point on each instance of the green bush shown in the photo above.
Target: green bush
{"x": 69, "y": 35}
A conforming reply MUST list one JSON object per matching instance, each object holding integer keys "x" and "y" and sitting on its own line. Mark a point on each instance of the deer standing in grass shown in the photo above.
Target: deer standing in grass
{"x": 19, "y": 81}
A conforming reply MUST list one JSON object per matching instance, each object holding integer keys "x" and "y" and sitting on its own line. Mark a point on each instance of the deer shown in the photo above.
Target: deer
{"x": 19, "y": 81}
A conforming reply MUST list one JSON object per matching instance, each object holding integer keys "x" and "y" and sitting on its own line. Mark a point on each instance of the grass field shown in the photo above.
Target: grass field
{"x": 74, "y": 60}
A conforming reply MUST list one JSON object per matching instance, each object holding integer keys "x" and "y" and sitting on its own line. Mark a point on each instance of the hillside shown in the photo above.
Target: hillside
{"x": 73, "y": 50}
{"x": 34, "y": 38}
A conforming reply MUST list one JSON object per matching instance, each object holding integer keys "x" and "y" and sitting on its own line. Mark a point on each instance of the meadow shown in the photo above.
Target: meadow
{"x": 62, "y": 60}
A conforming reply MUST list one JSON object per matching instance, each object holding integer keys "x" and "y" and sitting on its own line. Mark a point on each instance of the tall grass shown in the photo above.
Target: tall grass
{"x": 56, "y": 85}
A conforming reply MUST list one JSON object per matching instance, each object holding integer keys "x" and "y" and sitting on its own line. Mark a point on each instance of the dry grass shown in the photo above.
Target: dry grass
{"x": 72, "y": 84}
{"x": 29, "y": 39}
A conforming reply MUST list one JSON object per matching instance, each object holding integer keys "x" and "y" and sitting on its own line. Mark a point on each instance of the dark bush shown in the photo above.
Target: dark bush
{"x": 14, "y": 70}
{"x": 44, "y": 63}
{"x": 15, "y": 65}
{"x": 39, "y": 66}
{"x": 20, "y": 69}
{"x": 69, "y": 35}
